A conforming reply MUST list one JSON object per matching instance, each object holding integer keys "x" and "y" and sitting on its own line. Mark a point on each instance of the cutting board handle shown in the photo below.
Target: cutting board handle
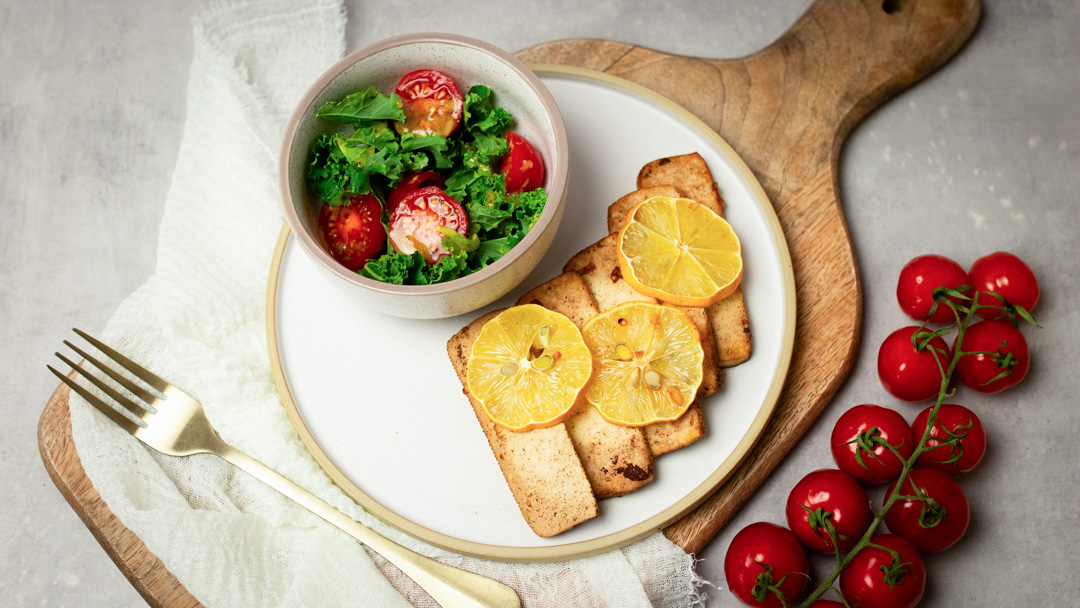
{"x": 864, "y": 51}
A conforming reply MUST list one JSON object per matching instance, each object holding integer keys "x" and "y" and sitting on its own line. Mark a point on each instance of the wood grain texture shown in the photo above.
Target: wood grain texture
{"x": 146, "y": 572}
{"x": 787, "y": 110}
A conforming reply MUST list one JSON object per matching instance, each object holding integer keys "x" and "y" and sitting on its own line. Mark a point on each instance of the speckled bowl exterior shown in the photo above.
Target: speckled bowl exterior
{"x": 468, "y": 62}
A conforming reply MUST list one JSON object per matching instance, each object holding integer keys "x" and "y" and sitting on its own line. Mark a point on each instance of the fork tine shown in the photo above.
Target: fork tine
{"x": 103, "y": 407}
{"x": 135, "y": 389}
{"x": 138, "y": 410}
{"x": 141, "y": 372}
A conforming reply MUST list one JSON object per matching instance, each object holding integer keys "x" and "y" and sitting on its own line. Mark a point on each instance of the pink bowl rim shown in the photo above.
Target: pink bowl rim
{"x": 556, "y": 191}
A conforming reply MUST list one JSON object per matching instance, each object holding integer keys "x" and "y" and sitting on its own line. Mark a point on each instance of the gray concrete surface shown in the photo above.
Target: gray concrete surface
{"x": 981, "y": 156}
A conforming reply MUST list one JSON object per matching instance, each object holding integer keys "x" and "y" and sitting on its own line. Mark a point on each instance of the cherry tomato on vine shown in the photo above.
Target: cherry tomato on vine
{"x": 431, "y": 101}
{"x": 910, "y": 374}
{"x": 918, "y": 280}
{"x": 415, "y": 181}
{"x": 876, "y": 578}
{"x": 353, "y": 232}
{"x": 1007, "y": 275}
{"x": 764, "y": 561}
{"x": 1002, "y": 359}
{"x": 828, "y": 504}
{"x": 957, "y": 442}
{"x": 936, "y": 522}
{"x": 859, "y": 441}
{"x": 522, "y": 165}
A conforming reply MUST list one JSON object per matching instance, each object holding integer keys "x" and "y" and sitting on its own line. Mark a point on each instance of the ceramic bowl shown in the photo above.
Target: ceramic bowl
{"x": 468, "y": 62}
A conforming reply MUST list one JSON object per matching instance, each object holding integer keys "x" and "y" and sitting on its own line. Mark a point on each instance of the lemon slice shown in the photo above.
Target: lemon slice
{"x": 679, "y": 251}
{"x": 647, "y": 358}
{"x": 527, "y": 367}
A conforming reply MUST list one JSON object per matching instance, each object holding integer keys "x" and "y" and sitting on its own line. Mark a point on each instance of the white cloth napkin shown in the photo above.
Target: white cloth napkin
{"x": 200, "y": 323}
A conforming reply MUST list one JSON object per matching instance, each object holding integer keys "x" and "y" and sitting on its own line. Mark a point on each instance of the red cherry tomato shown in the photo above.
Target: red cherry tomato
{"x": 827, "y": 504}
{"x": 934, "y": 524}
{"x": 1002, "y": 361}
{"x": 858, "y": 443}
{"x": 522, "y": 165}
{"x": 431, "y": 101}
{"x": 415, "y": 181}
{"x": 957, "y": 442}
{"x": 415, "y": 221}
{"x": 1005, "y": 274}
{"x": 876, "y": 578}
{"x": 919, "y": 278}
{"x": 907, "y": 373}
{"x": 353, "y": 232}
{"x": 763, "y": 561}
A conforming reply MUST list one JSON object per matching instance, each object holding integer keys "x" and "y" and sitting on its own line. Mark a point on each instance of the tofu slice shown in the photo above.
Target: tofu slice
{"x": 690, "y": 176}
{"x": 541, "y": 466}
{"x": 598, "y": 266}
{"x": 616, "y": 458}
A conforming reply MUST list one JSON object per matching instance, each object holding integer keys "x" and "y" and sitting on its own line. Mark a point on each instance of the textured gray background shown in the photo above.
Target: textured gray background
{"x": 980, "y": 156}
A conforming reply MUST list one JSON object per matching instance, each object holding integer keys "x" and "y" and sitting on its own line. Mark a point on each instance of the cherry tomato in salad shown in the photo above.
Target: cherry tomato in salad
{"x": 957, "y": 442}
{"x": 415, "y": 181}
{"x": 763, "y": 562}
{"x": 918, "y": 280}
{"x": 910, "y": 374}
{"x": 859, "y": 441}
{"x": 825, "y": 505}
{"x": 353, "y": 232}
{"x": 875, "y": 577}
{"x": 522, "y": 165}
{"x": 936, "y": 522}
{"x": 1007, "y": 275}
{"x": 414, "y": 223}
{"x": 431, "y": 101}
{"x": 1002, "y": 358}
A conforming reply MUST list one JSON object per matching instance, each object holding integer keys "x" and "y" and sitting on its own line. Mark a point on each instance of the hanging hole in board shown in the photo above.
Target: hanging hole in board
{"x": 891, "y": 7}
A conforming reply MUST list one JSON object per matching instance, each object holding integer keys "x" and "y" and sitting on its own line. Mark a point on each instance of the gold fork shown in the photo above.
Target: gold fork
{"x": 172, "y": 422}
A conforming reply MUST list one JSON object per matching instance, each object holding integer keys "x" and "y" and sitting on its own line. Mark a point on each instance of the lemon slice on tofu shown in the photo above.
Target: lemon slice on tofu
{"x": 647, "y": 359}
{"x": 680, "y": 252}
{"x": 527, "y": 367}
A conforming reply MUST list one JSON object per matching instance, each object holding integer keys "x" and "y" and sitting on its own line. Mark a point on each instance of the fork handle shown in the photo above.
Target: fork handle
{"x": 451, "y": 587}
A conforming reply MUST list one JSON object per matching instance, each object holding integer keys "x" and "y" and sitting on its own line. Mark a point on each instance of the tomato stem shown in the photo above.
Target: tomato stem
{"x": 964, "y": 316}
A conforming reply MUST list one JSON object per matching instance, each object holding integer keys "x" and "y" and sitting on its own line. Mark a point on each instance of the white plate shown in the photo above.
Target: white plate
{"x": 377, "y": 402}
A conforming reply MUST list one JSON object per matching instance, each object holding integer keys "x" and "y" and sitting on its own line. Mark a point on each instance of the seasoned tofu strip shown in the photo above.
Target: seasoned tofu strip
{"x": 616, "y": 458}
{"x": 541, "y": 466}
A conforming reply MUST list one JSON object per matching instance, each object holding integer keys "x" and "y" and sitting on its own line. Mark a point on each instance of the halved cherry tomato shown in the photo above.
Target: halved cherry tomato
{"x": 938, "y": 521}
{"x": 877, "y": 578}
{"x": 353, "y": 232}
{"x": 415, "y": 181}
{"x": 414, "y": 222}
{"x": 764, "y": 562}
{"x": 918, "y": 280}
{"x": 431, "y": 101}
{"x": 522, "y": 165}
{"x": 1007, "y": 275}
{"x": 858, "y": 443}
{"x": 910, "y": 374}
{"x": 957, "y": 442}
{"x": 825, "y": 505}
{"x": 1002, "y": 358}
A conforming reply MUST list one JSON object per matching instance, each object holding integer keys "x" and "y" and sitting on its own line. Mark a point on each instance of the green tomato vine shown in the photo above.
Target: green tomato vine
{"x": 964, "y": 314}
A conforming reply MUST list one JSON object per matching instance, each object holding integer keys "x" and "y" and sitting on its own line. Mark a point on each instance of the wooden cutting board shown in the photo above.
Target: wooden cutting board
{"x": 786, "y": 110}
